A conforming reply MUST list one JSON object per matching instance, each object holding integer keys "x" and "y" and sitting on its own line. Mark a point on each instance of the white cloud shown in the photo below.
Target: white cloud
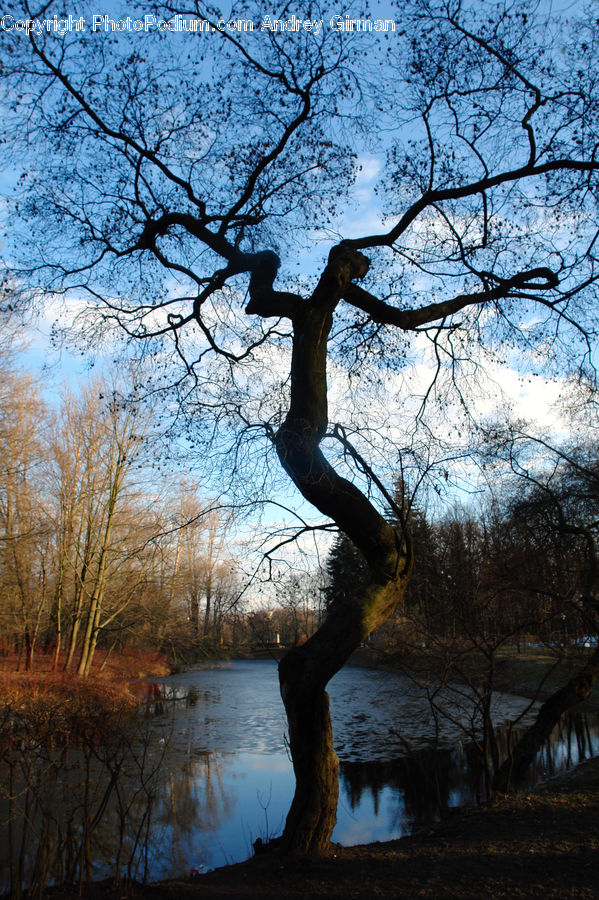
{"x": 369, "y": 169}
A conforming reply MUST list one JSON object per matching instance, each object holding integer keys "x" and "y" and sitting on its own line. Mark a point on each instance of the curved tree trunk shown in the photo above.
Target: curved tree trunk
{"x": 313, "y": 813}
{"x": 303, "y": 675}
{"x": 575, "y": 691}
{"x": 305, "y": 671}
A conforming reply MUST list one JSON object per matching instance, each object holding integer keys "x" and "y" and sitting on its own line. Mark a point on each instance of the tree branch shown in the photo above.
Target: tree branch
{"x": 440, "y": 195}
{"x": 540, "y": 279}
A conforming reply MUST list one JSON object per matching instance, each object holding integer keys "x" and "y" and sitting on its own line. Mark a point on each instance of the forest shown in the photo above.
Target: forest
{"x": 97, "y": 548}
{"x": 91, "y": 558}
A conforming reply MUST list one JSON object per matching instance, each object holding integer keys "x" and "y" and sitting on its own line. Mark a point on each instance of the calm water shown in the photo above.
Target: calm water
{"x": 207, "y": 772}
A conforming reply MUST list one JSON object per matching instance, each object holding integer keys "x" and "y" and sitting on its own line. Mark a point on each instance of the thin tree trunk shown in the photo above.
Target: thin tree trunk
{"x": 75, "y": 625}
{"x": 90, "y": 638}
{"x": 95, "y": 610}
{"x": 29, "y": 651}
{"x": 208, "y": 608}
{"x": 78, "y": 598}
{"x": 57, "y": 614}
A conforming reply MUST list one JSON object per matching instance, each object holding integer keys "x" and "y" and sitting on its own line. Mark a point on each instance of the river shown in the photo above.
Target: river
{"x": 207, "y": 773}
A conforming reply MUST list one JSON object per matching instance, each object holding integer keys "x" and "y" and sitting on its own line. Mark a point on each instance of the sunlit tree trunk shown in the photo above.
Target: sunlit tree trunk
{"x": 67, "y": 452}
{"x": 23, "y": 522}
{"x": 94, "y": 611}
{"x": 78, "y": 452}
{"x": 121, "y": 445}
{"x": 56, "y": 615}
{"x": 77, "y": 610}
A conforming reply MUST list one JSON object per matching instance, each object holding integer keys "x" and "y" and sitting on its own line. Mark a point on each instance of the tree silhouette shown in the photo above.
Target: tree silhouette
{"x": 170, "y": 182}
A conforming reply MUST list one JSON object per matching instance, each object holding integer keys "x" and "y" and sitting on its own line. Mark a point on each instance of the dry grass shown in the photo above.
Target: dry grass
{"x": 109, "y": 665}
{"x": 45, "y": 705}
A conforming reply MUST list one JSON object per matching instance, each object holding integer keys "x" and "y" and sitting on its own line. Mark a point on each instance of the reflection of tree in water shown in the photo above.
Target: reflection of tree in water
{"x": 192, "y": 797}
{"x": 65, "y": 811}
{"x": 104, "y": 808}
{"x": 574, "y": 738}
{"x": 158, "y": 699}
{"x": 145, "y": 802}
{"x": 422, "y": 781}
{"x": 195, "y": 800}
{"x": 428, "y": 782}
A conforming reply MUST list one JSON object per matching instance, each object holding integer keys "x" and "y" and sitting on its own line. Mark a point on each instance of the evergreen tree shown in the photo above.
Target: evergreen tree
{"x": 347, "y": 570}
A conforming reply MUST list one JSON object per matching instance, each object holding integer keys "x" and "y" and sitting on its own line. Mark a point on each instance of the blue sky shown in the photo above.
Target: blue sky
{"x": 527, "y": 393}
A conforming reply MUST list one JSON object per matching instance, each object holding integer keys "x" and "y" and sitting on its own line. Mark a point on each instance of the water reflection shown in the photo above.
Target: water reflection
{"x": 64, "y": 811}
{"x": 428, "y": 782}
{"x": 206, "y": 772}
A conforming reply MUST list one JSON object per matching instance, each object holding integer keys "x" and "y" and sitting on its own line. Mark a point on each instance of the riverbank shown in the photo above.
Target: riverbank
{"x": 534, "y": 672}
{"x": 108, "y": 665}
{"x": 46, "y": 704}
{"x": 540, "y": 844}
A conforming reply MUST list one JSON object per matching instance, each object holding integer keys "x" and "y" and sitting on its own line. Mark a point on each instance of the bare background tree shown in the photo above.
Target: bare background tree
{"x": 92, "y": 548}
{"x": 558, "y": 511}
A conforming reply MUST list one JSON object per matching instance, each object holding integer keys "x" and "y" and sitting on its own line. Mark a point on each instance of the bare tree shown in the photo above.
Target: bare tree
{"x": 174, "y": 184}
{"x": 297, "y": 597}
{"x": 24, "y": 523}
{"x": 205, "y": 569}
{"x": 102, "y": 523}
{"x": 83, "y": 539}
{"x": 559, "y": 505}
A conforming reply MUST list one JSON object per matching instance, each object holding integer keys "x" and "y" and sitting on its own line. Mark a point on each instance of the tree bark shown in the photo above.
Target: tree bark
{"x": 303, "y": 675}
{"x": 79, "y": 589}
{"x": 313, "y": 813}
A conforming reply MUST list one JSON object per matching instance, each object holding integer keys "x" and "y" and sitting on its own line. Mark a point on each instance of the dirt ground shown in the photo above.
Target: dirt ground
{"x": 541, "y": 844}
